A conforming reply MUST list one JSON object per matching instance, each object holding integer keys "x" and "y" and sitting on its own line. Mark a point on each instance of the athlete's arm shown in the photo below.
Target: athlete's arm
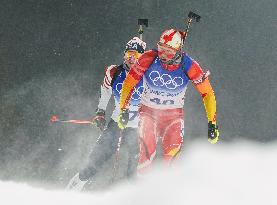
{"x": 134, "y": 76}
{"x": 202, "y": 84}
{"x": 106, "y": 88}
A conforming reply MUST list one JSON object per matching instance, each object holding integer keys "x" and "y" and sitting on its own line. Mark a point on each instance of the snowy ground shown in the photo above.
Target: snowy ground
{"x": 244, "y": 173}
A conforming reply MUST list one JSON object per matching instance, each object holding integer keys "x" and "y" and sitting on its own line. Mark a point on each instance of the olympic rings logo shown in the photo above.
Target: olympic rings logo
{"x": 165, "y": 80}
{"x": 136, "y": 93}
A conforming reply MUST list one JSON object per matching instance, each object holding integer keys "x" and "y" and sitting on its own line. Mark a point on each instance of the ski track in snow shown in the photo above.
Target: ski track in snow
{"x": 243, "y": 173}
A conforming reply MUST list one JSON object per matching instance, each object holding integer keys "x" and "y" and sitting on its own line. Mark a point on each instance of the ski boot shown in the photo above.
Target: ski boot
{"x": 76, "y": 184}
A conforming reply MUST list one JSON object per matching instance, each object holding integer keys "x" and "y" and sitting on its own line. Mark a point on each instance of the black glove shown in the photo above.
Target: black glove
{"x": 99, "y": 119}
{"x": 213, "y": 133}
{"x": 123, "y": 119}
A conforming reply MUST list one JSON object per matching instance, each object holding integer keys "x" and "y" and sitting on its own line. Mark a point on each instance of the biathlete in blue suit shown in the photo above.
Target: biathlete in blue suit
{"x": 106, "y": 144}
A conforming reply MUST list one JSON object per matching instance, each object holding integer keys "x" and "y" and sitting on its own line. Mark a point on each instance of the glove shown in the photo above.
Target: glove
{"x": 123, "y": 118}
{"x": 213, "y": 133}
{"x": 99, "y": 119}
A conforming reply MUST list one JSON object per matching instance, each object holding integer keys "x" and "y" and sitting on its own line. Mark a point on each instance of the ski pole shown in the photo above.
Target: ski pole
{"x": 191, "y": 16}
{"x": 116, "y": 160}
{"x": 55, "y": 119}
{"x": 141, "y": 23}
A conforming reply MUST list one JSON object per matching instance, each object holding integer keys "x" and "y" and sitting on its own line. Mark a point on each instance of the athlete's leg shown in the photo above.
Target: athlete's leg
{"x": 172, "y": 139}
{"x": 102, "y": 151}
{"x": 147, "y": 141}
{"x": 131, "y": 139}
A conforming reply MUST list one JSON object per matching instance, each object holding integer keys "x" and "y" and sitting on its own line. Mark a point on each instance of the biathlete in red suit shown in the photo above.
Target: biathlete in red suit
{"x": 166, "y": 73}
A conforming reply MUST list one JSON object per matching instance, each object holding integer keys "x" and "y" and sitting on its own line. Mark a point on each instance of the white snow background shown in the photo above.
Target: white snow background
{"x": 224, "y": 174}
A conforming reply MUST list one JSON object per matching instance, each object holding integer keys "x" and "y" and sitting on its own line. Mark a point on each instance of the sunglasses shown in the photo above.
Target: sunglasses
{"x": 130, "y": 54}
{"x": 163, "y": 48}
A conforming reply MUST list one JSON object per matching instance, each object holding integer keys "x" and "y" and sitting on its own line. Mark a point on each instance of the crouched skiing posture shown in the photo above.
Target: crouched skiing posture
{"x": 107, "y": 143}
{"x": 166, "y": 73}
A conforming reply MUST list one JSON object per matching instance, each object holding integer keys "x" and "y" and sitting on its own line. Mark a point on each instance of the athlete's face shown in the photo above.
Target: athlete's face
{"x": 130, "y": 57}
{"x": 165, "y": 52}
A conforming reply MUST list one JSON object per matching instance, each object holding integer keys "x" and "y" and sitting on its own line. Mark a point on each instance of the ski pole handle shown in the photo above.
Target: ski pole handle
{"x": 191, "y": 16}
{"x": 141, "y": 23}
{"x": 195, "y": 16}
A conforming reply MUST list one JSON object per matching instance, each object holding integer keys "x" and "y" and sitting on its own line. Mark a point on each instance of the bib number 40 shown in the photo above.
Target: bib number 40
{"x": 162, "y": 102}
